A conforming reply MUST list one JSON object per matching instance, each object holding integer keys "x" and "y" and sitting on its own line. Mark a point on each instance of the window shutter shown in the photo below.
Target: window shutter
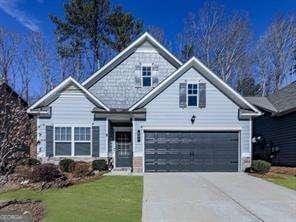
{"x": 138, "y": 75}
{"x": 182, "y": 95}
{"x": 202, "y": 95}
{"x": 154, "y": 75}
{"x": 49, "y": 141}
{"x": 95, "y": 141}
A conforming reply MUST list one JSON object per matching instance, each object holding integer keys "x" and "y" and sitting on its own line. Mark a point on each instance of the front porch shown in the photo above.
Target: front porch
{"x": 121, "y": 138}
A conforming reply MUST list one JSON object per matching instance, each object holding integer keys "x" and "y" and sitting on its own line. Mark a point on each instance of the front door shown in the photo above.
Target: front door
{"x": 123, "y": 149}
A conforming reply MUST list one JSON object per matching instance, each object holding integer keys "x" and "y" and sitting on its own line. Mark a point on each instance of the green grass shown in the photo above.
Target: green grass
{"x": 113, "y": 198}
{"x": 285, "y": 180}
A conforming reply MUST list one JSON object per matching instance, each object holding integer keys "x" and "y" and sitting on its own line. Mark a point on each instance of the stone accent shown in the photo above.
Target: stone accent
{"x": 246, "y": 162}
{"x": 138, "y": 164}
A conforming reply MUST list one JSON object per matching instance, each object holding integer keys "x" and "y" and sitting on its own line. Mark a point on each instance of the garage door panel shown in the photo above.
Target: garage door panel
{"x": 191, "y": 151}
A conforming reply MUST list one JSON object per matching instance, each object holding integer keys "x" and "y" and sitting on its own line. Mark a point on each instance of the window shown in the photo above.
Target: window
{"x": 62, "y": 141}
{"x": 67, "y": 144}
{"x": 192, "y": 94}
{"x": 82, "y": 141}
{"x": 146, "y": 76}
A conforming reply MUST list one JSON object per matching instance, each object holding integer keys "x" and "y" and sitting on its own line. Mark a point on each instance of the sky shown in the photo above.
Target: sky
{"x": 24, "y": 15}
{"x": 33, "y": 15}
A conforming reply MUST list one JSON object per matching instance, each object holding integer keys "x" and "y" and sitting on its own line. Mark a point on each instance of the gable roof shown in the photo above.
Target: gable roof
{"x": 54, "y": 93}
{"x": 285, "y": 99}
{"x": 205, "y": 72}
{"x": 7, "y": 87}
{"x": 127, "y": 52}
{"x": 261, "y": 102}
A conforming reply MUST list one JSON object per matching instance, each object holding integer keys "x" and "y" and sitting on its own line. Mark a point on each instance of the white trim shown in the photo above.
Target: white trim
{"x": 172, "y": 128}
{"x": 134, "y": 44}
{"x": 191, "y": 62}
{"x": 72, "y": 141}
{"x": 61, "y": 86}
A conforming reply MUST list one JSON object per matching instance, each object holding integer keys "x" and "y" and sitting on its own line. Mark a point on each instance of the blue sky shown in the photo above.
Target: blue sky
{"x": 32, "y": 15}
{"x": 24, "y": 15}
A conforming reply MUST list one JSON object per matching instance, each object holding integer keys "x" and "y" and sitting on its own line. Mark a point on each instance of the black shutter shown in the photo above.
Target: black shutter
{"x": 182, "y": 95}
{"x": 154, "y": 74}
{"x": 202, "y": 95}
{"x": 95, "y": 141}
{"x": 49, "y": 141}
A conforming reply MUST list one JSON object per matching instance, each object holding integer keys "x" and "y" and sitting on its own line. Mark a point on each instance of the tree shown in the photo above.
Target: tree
{"x": 43, "y": 60}
{"x": 158, "y": 33}
{"x": 217, "y": 38}
{"x": 275, "y": 51}
{"x": 247, "y": 86}
{"x": 91, "y": 25}
{"x": 15, "y": 129}
{"x": 9, "y": 43}
{"x": 122, "y": 29}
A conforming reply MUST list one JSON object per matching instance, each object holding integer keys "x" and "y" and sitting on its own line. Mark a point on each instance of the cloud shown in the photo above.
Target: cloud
{"x": 10, "y": 7}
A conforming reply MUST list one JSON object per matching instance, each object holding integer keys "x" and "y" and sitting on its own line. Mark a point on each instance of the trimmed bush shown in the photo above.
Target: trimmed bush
{"x": 261, "y": 166}
{"x": 29, "y": 162}
{"x": 65, "y": 164}
{"x": 80, "y": 169}
{"x": 46, "y": 173}
{"x": 99, "y": 165}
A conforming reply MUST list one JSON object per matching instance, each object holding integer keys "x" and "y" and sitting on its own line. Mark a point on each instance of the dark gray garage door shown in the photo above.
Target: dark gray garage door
{"x": 191, "y": 151}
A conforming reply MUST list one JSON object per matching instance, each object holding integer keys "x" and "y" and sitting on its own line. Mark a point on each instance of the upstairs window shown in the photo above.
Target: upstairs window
{"x": 146, "y": 76}
{"x": 192, "y": 94}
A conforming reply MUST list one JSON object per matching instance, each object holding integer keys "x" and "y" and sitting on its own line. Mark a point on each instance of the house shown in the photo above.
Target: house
{"x": 277, "y": 126}
{"x": 16, "y": 125}
{"x": 148, "y": 112}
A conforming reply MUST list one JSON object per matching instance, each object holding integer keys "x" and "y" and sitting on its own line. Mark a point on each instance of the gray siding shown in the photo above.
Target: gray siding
{"x": 118, "y": 88}
{"x": 72, "y": 108}
{"x": 220, "y": 112}
{"x": 281, "y": 131}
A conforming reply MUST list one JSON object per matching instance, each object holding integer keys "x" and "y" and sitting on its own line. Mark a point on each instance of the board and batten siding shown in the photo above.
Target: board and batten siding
{"x": 281, "y": 131}
{"x": 71, "y": 109}
{"x": 220, "y": 112}
{"x": 118, "y": 89}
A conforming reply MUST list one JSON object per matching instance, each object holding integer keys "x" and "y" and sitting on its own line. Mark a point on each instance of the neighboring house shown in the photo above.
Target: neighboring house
{"x": 149, "y": 112}
{"x": 278, "y": 125}
{"x": 13, "y": 114}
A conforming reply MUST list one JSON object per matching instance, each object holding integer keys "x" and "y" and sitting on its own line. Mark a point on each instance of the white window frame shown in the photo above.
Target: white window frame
{"x": 142, "y": 77}
{"x": 72, "y": 141}
{"x": 82, "y": 141}
{"x": 197, "y": 94}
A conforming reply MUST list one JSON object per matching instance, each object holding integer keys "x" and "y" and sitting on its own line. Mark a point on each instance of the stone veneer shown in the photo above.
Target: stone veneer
{"x": 138, "y": 164}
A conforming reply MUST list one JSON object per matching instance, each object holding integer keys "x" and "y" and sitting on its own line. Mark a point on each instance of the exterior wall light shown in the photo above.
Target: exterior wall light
{"x": 193, "y": 119}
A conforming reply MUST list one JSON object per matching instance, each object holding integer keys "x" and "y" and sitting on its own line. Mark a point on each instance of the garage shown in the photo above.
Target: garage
{"x": 187, "y": 151}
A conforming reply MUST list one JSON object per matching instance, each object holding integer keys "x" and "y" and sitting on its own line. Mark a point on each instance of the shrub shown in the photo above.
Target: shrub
{"x": 99, "y": 165}
{"x": 65, "y": 164}
{"x": 80, "y": 169}
{"x": 29, "y": 161}
{"x": 23, "y": 171}
{"x": 46, "y": 172}
{"x": 261, "y": 166}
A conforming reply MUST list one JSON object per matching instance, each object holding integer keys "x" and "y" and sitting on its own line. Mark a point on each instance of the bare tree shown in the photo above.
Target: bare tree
{"x": 9, "y": 42}
{"x": 218, "y": 38}
{"x": 275, "y": 51}
{"x": 159, "y": 34}
{"x": 44, "y": 59}
{"x": 14, "y": 129}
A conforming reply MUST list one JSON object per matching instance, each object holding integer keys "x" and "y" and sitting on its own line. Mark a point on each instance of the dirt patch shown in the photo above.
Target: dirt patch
{"x": 284, "y": 170}
{"x": 28, "y": 208}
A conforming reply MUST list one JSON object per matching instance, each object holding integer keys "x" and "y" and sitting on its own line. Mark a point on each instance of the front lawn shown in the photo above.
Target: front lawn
{"x": 285, "y": 180}
{"x": 112, "y": 198}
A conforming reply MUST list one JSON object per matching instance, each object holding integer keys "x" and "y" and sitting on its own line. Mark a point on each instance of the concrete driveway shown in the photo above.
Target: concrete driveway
{"x": 215, "y": 197}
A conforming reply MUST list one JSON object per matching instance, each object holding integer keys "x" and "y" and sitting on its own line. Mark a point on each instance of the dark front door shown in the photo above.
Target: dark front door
{"x": 191, "y": 151}
{"x": 123, "y": 149}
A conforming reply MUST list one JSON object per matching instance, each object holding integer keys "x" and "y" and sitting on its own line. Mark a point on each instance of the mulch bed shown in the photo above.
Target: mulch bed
{"x": 276, "y": 170}
{"x": 24, "y": 207}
